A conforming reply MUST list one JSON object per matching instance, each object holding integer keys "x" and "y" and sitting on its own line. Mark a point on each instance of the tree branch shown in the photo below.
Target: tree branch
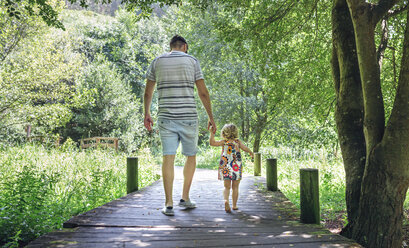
{"x": 395, "y": 12}
{"x": 384, "y": 42}
{"x": 335, "y": 69}
{"x": 382, "y": 8}
{"x": 279, "y": 14}
{"x": 397, "y": 130}
{"x": 363, "y": 20}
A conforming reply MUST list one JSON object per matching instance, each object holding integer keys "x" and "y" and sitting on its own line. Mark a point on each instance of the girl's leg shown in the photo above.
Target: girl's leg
{"x": 226, "y": 193}
{"x": 235, "y": 194}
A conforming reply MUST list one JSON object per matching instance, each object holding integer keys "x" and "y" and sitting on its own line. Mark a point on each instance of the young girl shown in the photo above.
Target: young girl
{"x": 230, "y": 169}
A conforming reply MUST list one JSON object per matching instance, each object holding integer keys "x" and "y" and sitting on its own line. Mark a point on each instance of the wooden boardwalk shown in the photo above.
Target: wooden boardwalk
{"x": 265, "y": 219}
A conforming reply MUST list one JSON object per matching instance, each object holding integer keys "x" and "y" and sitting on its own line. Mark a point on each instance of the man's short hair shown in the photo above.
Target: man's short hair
{"x": 177, "y": 42}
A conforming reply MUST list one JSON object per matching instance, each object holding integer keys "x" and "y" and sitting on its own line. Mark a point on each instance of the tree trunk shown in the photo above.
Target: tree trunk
{"x": 244, "y": 134}
{"x": 380, "y": 216}
{"x": 375, "y": 156}
{"x": 261, "y": 121}
{"x": 257, "y": 141}
{"x": 386, "y": 178}
{"x": 349, "y": 111}
{"x": 258, "y": 131}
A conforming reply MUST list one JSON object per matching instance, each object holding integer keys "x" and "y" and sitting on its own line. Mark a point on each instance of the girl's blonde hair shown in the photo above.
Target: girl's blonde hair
{"x": 230, "y": 132}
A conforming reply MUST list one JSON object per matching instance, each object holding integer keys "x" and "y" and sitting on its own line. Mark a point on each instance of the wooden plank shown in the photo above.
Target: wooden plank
{"x": 135, "y": 220}
{"x": 209, "y": 240}
{"x": 84, "y": 231}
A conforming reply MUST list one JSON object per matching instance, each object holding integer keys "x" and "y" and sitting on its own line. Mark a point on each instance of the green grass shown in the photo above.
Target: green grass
{"x": 289, "y": 162}
{"x": 41, "y": 188}
{"x": 331, "y": 177}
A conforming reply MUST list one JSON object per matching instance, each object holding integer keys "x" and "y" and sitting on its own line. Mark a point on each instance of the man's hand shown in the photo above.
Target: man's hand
{"x": 147, "y": 100}
{"x": 211, "y": 130}
{"x": 148, "y": 122}
{"x": 211, "y": 125}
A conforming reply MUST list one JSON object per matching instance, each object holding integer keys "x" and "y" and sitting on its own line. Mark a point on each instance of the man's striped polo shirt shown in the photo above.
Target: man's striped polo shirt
{"x": 175, "y": 74}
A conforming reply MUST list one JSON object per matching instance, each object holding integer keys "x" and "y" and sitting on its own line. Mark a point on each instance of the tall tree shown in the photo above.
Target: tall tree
{"x": 375, "y": 155}
{"x": 36, "y": 82}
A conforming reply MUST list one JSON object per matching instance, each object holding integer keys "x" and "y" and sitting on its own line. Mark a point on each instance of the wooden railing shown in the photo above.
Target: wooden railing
{"x": 99, "y": 142}
{"x": 45, "y": 139}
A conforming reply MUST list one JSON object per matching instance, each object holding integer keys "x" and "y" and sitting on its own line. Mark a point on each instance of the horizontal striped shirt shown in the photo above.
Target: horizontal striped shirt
{"x": 175, "y": 74}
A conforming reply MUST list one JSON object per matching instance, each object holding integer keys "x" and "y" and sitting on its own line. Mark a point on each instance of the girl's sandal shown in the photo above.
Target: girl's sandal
{"x": 227, "y": 207}
{"x": 235, "y": 208}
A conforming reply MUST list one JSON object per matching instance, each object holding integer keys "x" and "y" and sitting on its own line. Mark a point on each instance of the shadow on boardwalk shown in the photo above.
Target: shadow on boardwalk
{"x": 265, "y": 219}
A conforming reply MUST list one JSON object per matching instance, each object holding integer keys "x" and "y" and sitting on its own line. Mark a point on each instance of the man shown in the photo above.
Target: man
{"x": 177, "y": 73}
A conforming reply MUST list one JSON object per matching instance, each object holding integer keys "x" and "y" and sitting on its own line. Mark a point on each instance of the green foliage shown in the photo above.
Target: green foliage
{"x": 112, "y": 110}
{"x": 82, "y": 82}
{"x": 14, "y": 243}
{"x": 118, "y": 51}
{"x": 278, "y": 79}
{"x": 13, "y": 31}
{"x": 36, "y": 83}
{"x": 27, "y": 207}
{"x": 129, "y": 44}
{"x": 47, "y": 10}
{"x": 41, "y": 188}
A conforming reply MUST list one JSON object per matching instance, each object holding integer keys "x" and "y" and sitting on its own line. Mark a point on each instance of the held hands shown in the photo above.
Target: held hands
{"x": 211, "y": 129}
{"x": 211, "y": 126}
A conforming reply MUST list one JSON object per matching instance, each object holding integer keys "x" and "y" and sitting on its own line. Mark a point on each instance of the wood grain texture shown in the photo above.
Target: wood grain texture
{"x": 264, "y": 219}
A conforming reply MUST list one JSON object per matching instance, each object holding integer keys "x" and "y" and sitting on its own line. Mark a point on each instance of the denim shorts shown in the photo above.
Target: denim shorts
{"x": 174, "y": 131}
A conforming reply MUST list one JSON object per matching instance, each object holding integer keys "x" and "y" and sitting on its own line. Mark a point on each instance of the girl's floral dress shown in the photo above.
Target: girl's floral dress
{"x": 230, "y": 162}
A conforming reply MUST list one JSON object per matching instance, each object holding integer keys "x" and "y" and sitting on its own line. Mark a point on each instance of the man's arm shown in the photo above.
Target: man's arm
{"x": 147, "y": 100}
{"x": 205, "y": 98}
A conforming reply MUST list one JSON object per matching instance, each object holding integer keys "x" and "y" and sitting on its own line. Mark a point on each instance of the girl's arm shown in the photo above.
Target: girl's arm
{"x": 213, "y": 142}
{"x": 246, "y": 149}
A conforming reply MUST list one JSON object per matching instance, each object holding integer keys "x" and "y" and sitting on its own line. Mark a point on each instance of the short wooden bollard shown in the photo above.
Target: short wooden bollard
{"x": 131, "y": 174}
{"x": 257, "y": 164}
{"x": 309, "y": 196}
{"x": 272, "y": 174}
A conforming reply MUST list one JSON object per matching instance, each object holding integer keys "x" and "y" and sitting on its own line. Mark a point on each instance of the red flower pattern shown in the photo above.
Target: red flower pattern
{"x": 230, "y": 167}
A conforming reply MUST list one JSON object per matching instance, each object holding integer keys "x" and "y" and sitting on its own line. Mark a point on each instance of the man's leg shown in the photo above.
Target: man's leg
{"x": 188, "y": 172}
{"x": 168, "y": 174}
{"x": 188, "y": 134}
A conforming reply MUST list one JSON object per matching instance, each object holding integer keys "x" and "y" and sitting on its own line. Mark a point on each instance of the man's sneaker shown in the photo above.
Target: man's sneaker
{"x": 187, "y": 204}
{"x": 168, "y": 211}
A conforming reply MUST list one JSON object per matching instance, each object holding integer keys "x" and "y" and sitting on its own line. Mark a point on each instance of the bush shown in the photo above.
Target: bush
{"x": 42, "y": 188}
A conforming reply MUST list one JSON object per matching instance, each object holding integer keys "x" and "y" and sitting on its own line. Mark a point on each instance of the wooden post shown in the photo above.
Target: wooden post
{"x": 131, "y": 174}
{"x": 116, "y": 144}
{"x": 28, "y": 130}
{"x": 309, "y": 196}
{"x": 257, "y": 164}
{"x": 57, "y": 141}
{"x": 271, "y": 170}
